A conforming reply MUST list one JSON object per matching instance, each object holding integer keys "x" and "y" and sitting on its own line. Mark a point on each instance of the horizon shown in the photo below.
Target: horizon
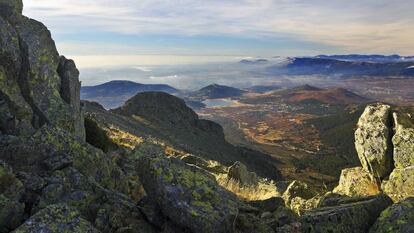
{"x": 127, "y": 33}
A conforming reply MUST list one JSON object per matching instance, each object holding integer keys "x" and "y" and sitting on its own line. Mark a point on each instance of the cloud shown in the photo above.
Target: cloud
{"x": 381, "y": 26}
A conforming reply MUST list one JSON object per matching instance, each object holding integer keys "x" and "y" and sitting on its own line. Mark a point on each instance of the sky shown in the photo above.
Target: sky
{"x": 100, "y": 33}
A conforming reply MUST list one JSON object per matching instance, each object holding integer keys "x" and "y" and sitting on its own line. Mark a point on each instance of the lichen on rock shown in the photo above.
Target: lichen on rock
{"x": 188, "y": 196}
{"x": 396, "y": 218}
{"x": 373, "y": 140}
{"x": 403, "y": 140}
{"x": 400, "y": 184}
{"x": 357, "y": 182}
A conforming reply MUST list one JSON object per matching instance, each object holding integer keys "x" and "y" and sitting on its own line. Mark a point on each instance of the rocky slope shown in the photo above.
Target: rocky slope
{"x": 167, "y": 119}
{"x": 53, "y": 181}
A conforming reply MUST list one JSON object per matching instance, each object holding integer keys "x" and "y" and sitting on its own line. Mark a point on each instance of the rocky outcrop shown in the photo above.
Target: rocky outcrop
{"x": 373, "y": 140}
{"x": 30, "y": 85}
{"x": 357, "y": 182}
{"x": 403, "y": 140}
{"x": 351, "y": 217}
{"x": 396, "y": 218}
{"x": 385, "y": 145}
{"x": 239, "y": 173}
{"x": 53, "y": 167}
{"x": 188, "y": 196}
{"x": 70, "y": 91}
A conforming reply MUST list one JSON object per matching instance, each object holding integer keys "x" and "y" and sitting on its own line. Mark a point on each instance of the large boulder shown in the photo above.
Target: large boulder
{"x": 373, "y": 140}
{"x": 400, "y": 184}
{"x": 357, "y": 182}
{"x": 396, "y": 218}
{"x": 59, "y": 219}
{"x": 346, "y": 218}
{"x": 188, "y": 196}
{"x": 403, "y": 140}
{"x": 238, "y": 172}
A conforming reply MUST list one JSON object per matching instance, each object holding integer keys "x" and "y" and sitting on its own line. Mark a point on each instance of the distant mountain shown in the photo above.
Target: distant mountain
{"x": 372, "y": 58}
{"x": 254, "y": 62}
{"x": 114, "y": 93}
{"x": 216, "y": 91}
{"x": 325, "y": 66}
{"x": 330, "y": 96}
{"x": 263, "y": 88}
{"x": 309, "y": 94}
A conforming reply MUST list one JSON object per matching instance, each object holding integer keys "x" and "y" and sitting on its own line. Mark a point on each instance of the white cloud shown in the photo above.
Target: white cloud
{"x": 382, "y": 26}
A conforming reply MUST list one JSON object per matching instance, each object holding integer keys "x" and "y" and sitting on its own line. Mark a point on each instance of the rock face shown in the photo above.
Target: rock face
{"x": 396, "y": 218}
{"x": 373, "y": 140}
{"x": 30, "y": 85}
{"x": 188, "y": 196}
{"x": 239, "y": 173}
{"x": 357, "y": 182}
{"x": 346, "y": 218}
{"x": 403, "y": 140}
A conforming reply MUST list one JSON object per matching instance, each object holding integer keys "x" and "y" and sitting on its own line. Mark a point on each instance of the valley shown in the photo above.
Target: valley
{"x": 294, "y": 126}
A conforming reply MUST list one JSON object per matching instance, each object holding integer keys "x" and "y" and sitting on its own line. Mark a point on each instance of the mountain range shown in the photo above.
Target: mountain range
{"x": 114, "y": 93}
{"x": 153, "y": 165}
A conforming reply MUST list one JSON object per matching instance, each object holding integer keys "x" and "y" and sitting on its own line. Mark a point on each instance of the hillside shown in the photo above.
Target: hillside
{"x": 167, "y": 118}
{"x": 307, "y": 94}
{"x": 216, "y": 91}
{"x": 114, "y": 93}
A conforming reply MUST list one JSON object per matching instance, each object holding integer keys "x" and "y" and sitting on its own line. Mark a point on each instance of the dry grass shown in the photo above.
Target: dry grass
{"x": 122, "y": 138}
{"x": 264, "y": 190}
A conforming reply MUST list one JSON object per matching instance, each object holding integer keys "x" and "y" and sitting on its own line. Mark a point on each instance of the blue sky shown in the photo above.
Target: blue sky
{"x": 98, "y": 31}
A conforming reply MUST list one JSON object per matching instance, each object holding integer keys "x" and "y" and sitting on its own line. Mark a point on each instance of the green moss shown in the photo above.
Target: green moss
{"x": 205, "y": 205}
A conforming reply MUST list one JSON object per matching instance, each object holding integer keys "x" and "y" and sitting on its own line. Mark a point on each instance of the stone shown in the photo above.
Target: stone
{"x": 300, "y": 205}
{"x": 396, "y": 218}
{"x": 346, "y": 218}
{"x": 238, "y": 172}
{"x": 298, "y": 189}
{"x": 11, "y": 9}
{"x": 373, "y": 140}
{"x": 188, "y": 196}
{"x": 57, "y": 161}
{"x": 400, "y": 184}
{"x": 403, "y": 140}
{"x": 357, "y": 182}
{"x": 208, "y": 165}
{"x": 11, "y": 214}
{"x": 15, "y": 113}
{"x": 269, "y": 205}
{"x": 57, "y": 218}
{"x": 70, "y": 92}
